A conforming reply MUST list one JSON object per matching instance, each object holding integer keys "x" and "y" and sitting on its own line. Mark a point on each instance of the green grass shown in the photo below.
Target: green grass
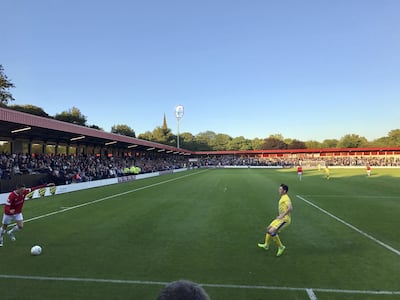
{"x": 204, "y": 225}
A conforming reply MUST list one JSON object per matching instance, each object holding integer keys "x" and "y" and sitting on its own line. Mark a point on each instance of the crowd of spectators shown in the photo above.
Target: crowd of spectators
{"x": 231, "y": 160}
{"x": 363, "y": 161}
{"x": 76, "y": 168}
{"x": 344, "y": 161}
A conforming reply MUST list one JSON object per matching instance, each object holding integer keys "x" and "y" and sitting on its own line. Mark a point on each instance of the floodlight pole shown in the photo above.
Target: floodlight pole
{"x": 178, "y": 114}
{"x": 177, "y": 137}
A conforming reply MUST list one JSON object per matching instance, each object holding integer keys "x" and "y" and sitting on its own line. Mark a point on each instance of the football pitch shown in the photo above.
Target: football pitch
{"x": 126, "y": 241}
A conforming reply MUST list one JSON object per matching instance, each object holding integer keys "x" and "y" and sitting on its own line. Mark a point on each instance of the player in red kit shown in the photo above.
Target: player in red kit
{"x": 368, "y": 170}
{"x": 299, "y": 172}
{"x": 13, "y": 210}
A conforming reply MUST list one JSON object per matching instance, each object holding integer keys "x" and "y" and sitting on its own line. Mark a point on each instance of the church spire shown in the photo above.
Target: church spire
{"x": 164, "y": 126}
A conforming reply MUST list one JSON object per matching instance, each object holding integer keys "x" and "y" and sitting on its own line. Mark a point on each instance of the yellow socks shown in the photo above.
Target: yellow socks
{"x": 278, "y": 241}
{"x": 267, "y": 239}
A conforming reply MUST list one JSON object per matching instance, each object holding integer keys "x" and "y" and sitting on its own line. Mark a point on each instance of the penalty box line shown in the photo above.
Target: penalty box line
{"x": 109, "y": 197}
{"x": 309, "y": 291}
{"x": 390, "y": 248}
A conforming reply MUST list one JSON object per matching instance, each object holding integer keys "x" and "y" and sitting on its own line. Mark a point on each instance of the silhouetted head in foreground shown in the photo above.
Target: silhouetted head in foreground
{"x": 183, "y": 290}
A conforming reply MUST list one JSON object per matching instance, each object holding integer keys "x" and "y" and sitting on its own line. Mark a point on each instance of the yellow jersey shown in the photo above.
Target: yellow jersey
{"x": 284, "y": 204}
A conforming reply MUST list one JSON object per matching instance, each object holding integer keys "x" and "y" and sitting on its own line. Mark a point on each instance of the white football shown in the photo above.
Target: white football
{"x": 36, "y": 250}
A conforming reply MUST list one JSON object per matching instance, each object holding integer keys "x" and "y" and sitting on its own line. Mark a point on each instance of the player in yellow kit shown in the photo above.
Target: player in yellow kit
{"x": 327, "y": 172}
{"x": 280, "y": 222}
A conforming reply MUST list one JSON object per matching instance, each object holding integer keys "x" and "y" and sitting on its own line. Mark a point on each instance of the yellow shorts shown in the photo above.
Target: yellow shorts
{"x": 279, "y": 224}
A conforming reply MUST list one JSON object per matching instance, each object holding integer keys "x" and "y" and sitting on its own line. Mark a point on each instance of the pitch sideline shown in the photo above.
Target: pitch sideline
{"x": 309, "y": 291}
{"x": 395, "y": 251}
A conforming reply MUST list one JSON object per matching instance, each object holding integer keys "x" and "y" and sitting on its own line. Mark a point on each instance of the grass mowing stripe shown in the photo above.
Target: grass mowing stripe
{"x": 351, "y": 226}
{"x": 109, "y": 197}
{"x": 310, "y": 291}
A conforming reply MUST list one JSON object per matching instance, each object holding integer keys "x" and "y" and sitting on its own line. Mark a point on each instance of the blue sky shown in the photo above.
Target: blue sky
{"x": 308, "y": 70}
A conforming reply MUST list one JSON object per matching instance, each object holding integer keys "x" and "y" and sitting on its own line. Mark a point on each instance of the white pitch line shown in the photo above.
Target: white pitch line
{"x": 228, "y": 286}
{"x": 355, "y": 196}
{"x": 311, "y": 294}
{"x": 351, "y": 226}
{"x": 107, "y": 198}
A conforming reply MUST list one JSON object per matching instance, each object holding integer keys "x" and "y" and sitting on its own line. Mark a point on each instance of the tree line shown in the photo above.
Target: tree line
{"x": 204, "y": 141}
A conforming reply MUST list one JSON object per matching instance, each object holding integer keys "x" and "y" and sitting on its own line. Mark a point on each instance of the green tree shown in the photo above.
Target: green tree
{"x": 256, "y": 144}
{"x": 313, "y": 144}
{"x": 239, "y": 143}
{"x": 123, "y": 130}
{"x": 352, "y": 141}
{"x": 330, "y": 143}
{"x": 288, "y": 141}
{"x": 73, "y": 115}
{"x": 394, "y": 138}
{"x": 148, "y": 136}
{"x": 5, "y": 85}
{"x": 30, "y": 109}
{"x": 96, "y": 127}
{"x": 273, "y": 143}
{"x": 296, "y": 144}
{"x": 220, "y": 142}
{"x": 381, "y": 142}
{"x": 205, "y": 140}
{"x": 187, "y": 141}
{"x": 163, "y": 136}
{"x": 277, "y": 136}
{"x": 201, "y": 146}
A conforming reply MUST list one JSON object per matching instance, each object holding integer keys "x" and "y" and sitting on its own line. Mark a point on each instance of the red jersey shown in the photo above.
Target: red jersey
{"x": 299, "y": 169}
{"x": 16, "y": 201}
